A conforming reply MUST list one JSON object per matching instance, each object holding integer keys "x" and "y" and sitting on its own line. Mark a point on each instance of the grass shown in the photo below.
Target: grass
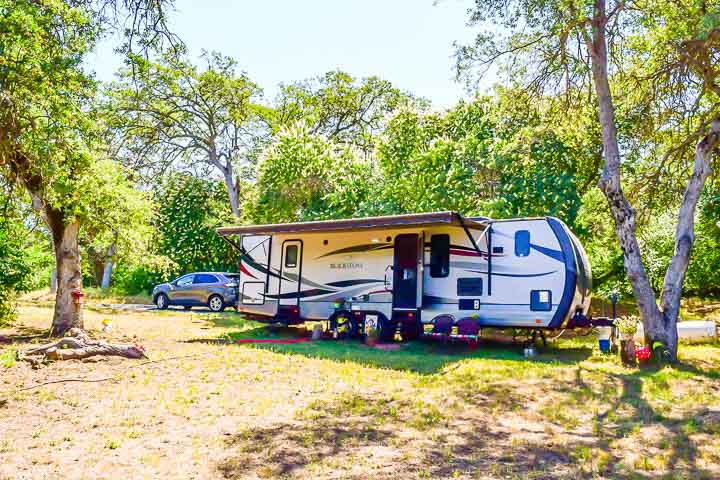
{"x": 334, "y": 409}
{"x": 93, "y": 296}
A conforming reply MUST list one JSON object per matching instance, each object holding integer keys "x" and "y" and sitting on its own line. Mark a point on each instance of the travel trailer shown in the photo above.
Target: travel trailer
{"x": 400, "y": 272}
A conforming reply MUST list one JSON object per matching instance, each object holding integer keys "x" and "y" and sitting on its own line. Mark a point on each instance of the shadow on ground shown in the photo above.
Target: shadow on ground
{"x": 333, "y": 438}
{"x": 424, "y": 357}
{"x": 22, "y": 334}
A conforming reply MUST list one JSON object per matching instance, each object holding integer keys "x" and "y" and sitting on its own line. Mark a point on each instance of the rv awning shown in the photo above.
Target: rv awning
{"x": 369, "y": 223}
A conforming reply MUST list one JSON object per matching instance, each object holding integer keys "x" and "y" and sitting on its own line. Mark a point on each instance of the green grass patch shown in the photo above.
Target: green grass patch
{"x": 7, "y": 358}
{"x": 424, "y": 357}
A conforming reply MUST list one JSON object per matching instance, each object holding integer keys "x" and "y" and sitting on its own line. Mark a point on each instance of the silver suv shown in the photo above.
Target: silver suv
{"x": 212, "y": 289}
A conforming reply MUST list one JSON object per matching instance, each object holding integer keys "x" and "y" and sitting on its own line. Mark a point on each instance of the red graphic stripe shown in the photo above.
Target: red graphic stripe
{"x": 465, "y": 253}
{"x": 245, "y": 271}
{"x": 286, "y": 341}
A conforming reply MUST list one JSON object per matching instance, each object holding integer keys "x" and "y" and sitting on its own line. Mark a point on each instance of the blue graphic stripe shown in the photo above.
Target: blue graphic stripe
{"x": 517, "y": 275}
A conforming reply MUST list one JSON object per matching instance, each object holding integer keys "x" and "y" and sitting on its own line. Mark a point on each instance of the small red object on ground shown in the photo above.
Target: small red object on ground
{"x": 279, "y": 341}
{"x": 642, "y": 353}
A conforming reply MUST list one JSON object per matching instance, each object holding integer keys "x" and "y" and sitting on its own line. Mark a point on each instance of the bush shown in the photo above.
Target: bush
{"x": 14, "y": 268}
{"x": 137, "y": 279}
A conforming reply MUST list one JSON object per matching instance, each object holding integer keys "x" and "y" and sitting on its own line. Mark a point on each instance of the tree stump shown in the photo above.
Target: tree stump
{"x": 627, "y": 352}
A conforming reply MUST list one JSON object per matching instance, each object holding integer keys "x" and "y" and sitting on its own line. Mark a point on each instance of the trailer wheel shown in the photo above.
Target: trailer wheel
{"x": 411, "y": 330}
{"x": 387, "y": 329}
{"x": 344, "y": 324}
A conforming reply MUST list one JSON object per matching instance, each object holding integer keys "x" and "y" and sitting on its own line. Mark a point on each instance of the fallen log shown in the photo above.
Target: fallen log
{"x": 78, "y": 345}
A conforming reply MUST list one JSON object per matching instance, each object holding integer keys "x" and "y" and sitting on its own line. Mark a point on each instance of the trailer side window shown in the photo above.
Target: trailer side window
{"x": 522, "y": 243}
{"x": 291, "y": 254}
{"x": 439, "y": 255}
{"x": 469, "y": 287}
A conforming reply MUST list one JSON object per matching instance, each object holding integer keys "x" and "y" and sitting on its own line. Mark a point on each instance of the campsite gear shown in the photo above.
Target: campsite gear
{"x": 529, "y": 351}
{"x": 604, "y": 335}
{"x": 627, "y": 352}
{"x": 317, "y": 331}
{"x": 693, "y": 331}
{"x": 343, "y": 325}
{"x": 106, "y": 325}
{"x": 525, "y": 273}
{"x": 442, "y": 327}
{"x": 468, "y": 330}
{"x": 215, "y": 290}
{"x": 643, "y": 356}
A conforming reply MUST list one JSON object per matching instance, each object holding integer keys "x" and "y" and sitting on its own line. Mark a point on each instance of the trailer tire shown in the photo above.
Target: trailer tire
{"x": 411, "y": 330}
{"x": 387, "y": 329}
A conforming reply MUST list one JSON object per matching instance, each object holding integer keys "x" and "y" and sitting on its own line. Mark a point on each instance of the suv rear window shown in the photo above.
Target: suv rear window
{"x": 204, "y": 278}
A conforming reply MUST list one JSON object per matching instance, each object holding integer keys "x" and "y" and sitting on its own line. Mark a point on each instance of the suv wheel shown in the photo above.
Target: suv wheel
{"x": 161, "y": 301}
{"x": 216, "y": 303}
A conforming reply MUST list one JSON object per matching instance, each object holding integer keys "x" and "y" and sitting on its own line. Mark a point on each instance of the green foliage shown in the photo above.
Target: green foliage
{"x": 340, "y": 108}
{"x": 424, "y": 169}
{"x": 189, "y": 210}
{"x": 14, "y": 268}
{"x": 538, "y": 178}
{"x": 167, "y": 111}
{"x": 141, "y": 277}
{"x": 304, "y": 176}
{"x": 658, "y": 244}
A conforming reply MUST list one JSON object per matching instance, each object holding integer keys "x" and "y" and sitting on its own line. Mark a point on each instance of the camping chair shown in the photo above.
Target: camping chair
{"x": 442, "y": 327}
{"x": 468, "y": 330}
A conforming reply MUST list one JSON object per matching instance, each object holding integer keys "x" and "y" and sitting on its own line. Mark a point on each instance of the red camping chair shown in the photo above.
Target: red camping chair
{"x": 468, "y": 330}
{"x": 442, "y": 327}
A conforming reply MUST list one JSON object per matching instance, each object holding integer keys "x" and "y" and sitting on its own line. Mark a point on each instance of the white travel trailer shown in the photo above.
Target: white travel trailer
{"x": 404, "y": 271}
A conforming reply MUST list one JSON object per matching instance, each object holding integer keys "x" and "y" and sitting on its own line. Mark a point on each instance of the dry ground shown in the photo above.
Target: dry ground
{"x": 341, "y": 410}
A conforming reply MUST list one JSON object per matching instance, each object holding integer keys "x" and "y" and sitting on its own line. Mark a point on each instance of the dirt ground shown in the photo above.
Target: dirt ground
{"x": 341, "y": 410}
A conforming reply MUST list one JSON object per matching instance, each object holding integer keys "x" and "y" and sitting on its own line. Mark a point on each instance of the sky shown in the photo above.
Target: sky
{"x": 408, "y": 42}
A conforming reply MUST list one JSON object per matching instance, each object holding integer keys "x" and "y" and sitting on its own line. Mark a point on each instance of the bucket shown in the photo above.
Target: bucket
{"x": 604, "y": 334}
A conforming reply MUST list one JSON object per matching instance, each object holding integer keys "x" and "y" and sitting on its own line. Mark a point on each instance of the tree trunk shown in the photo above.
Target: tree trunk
{"x": 107, "y": 272}
{"x": 231, "y": 186}
{"x": 610, "y": 184}
{"x": 53, "y": 281}
{"x": 660, "y": 323}
{"x": 685, "y": 234}
{"x": 67, "y": 258}
{"x": 232, "y": 189}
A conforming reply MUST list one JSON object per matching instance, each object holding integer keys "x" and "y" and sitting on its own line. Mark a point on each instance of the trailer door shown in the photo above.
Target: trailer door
{"x": 405, "y": 271}
{"x": 254, "y": 275}
{"x": 290, "y": 272}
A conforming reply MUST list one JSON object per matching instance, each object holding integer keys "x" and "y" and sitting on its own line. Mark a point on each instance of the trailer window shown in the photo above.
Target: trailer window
{"x": 469, "y": 287}
{"x": 291, "y": 254}
{"x": 439, "y": 255}
{"x": 522, "y": 243}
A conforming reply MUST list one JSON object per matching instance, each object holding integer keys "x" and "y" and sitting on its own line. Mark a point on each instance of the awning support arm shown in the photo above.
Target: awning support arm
{"x": 488, "y": 231}
{"x": 233, "y": 244}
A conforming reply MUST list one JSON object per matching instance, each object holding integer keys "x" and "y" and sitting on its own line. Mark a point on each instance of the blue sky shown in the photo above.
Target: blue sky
{"x": 409, "y": 42}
